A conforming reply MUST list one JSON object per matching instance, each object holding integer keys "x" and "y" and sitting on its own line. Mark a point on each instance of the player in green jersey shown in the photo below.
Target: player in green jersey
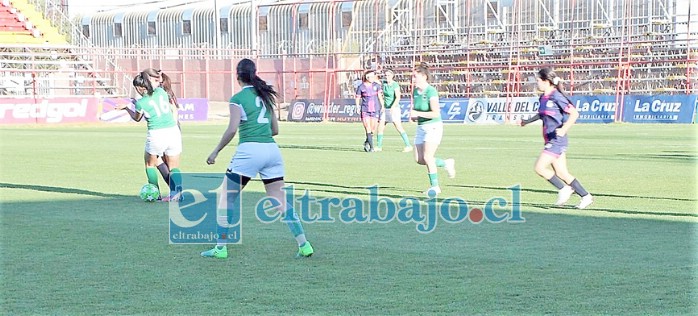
{"x": 158, "y": 78}
{"x": 427, "y": 113}
{"x": 391, "y": 112}
{"x": 164, "y": 137}
{"x": 252, "y": 114}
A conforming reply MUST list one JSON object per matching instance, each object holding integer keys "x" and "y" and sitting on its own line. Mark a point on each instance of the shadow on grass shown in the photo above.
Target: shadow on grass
{"x": 595, "y": 194}
{"x": 44, "y": 188}
{"x": 666, "y": 156}
{"x": 315, "y": 147}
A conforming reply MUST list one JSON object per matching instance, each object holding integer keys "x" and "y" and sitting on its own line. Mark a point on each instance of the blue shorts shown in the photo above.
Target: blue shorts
{"x": 365, "y": 114}
{"x": 556, "y": 146}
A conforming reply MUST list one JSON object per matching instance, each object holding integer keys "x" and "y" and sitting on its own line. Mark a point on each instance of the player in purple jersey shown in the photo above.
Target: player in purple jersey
{"x": 369, "y": 103}
{"x": 558, "y": 115}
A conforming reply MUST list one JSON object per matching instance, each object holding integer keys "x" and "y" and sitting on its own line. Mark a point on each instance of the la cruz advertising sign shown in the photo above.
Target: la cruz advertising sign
{"x": 52, "y": 111}
{"x": 659, "y": 108}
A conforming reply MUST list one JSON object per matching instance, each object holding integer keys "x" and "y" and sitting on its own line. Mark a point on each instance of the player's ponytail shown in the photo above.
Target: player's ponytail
{"x": 247, "y": 74}
{"x": 166, "y": 84}
{"x": 142, "y": 80}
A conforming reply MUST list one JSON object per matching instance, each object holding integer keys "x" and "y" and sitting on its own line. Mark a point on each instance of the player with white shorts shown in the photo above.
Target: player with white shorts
{"x": 427, "y": 112}
{"x": 391, "y": 114}
{"x": 164, "y": 137}
{"x": 252, "y": 113}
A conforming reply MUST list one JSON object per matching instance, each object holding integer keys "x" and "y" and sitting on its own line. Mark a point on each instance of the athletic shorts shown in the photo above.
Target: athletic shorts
{"x": 164, "y": 141}
{"x": 556, "y": 146}
{"x": 365, "y": 114}
{"x": 429, "y": 133}
{"x": 258, "y": 158}
{"x": 391, "y": 115}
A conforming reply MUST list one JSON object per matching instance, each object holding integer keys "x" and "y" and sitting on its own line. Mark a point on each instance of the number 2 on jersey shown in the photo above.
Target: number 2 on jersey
{"x": 261, "y": 119}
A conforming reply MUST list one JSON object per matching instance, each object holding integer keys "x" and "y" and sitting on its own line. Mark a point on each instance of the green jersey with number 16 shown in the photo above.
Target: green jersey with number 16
{"x": 255, "y": 119}
{"x": 157, "y": 110}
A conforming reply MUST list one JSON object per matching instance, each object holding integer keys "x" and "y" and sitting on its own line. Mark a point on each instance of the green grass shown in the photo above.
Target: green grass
{"x": 77, "y": 240}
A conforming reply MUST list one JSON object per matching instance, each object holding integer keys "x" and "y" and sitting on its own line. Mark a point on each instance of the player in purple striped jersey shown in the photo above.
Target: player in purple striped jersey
{"x": 558, "y": 115}
{"x": 369, "y": 103}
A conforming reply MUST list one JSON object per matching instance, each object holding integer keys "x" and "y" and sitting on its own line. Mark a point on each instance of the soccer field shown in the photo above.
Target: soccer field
{"x": 76, "y": 239}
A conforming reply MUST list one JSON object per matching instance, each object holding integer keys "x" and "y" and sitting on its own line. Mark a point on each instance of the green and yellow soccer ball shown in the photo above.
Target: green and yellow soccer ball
{"x": 149, "y": 193}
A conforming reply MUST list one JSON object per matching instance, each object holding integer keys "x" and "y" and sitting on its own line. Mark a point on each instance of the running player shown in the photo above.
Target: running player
{"x": 553, "y": 108}
{"x": 391, "y": 112}
{"x": 430, "y": 128}
{"x": 252, "y": 113}
{"x": 369, "y": 99}
{"x": 163, "y": 138}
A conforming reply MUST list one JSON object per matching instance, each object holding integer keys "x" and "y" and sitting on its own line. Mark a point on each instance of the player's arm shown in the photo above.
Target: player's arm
{"x": 235, "y": 114}
{"x": 274, "y": 123}
{"x": 135, "y": 115}
{"x": 530, "y": 120}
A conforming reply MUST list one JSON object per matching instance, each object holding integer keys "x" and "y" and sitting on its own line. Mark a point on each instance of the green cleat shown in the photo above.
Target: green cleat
{"x": 220, "y": 253}
{"x": 306, "y": 250}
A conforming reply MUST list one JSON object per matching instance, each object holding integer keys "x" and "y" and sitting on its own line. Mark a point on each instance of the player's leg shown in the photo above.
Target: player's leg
{"x": 163, "y": 168}
{"x": 153, "y": 149}
{"x": 245, "y": 165}
{"x": 172, "y": 156}
{"x": 380, "y": 130}
{"x": 561, "y": 171}
{"x": 434, "y": 135}
{"x": 272, "y": 175}
{"x": 543, "y": 168}
{"x": 429, "y": 150}
{"x": 419, "y": 145}
{"x": 150, "y": 169}
{"x": 397, "y": 122}
{"x": 366, "y": 120}
{"x": 232, "y": 186}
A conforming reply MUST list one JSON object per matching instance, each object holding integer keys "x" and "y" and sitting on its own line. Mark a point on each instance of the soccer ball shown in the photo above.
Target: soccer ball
{"x": 149, "y": 193}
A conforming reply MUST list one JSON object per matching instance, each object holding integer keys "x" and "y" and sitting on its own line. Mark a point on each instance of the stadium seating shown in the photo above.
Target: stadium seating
{"x": 20, "y": 23}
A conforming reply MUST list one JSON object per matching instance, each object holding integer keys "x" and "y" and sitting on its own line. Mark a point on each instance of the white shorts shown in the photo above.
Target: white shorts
{"x": 429, "y": 133}
{"x": 167, "y": 141}
{"x": 253, "y": 158}
{"x": 392, "y": 116}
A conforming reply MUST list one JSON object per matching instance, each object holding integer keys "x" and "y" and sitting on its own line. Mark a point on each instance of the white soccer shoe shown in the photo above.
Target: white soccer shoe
{"x": 586, "y": 201}
{"x": 564, "y": 195}
{"x": 450, "y": 167}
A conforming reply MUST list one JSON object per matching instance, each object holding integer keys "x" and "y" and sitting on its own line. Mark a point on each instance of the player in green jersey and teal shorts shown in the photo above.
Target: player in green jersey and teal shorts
{"x": 164, "y": 137}
{"x": 391, "y": 112}
{"x": 427, "y": 113}
{"x": 252, "y": 114}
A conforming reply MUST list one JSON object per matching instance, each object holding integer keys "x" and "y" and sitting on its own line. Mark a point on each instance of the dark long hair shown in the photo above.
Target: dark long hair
{"x": 247, "y": 74}
{"x": 165, "y": 83}
{"x": 547, "y": 74}
{"x": 142, "y": 80}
